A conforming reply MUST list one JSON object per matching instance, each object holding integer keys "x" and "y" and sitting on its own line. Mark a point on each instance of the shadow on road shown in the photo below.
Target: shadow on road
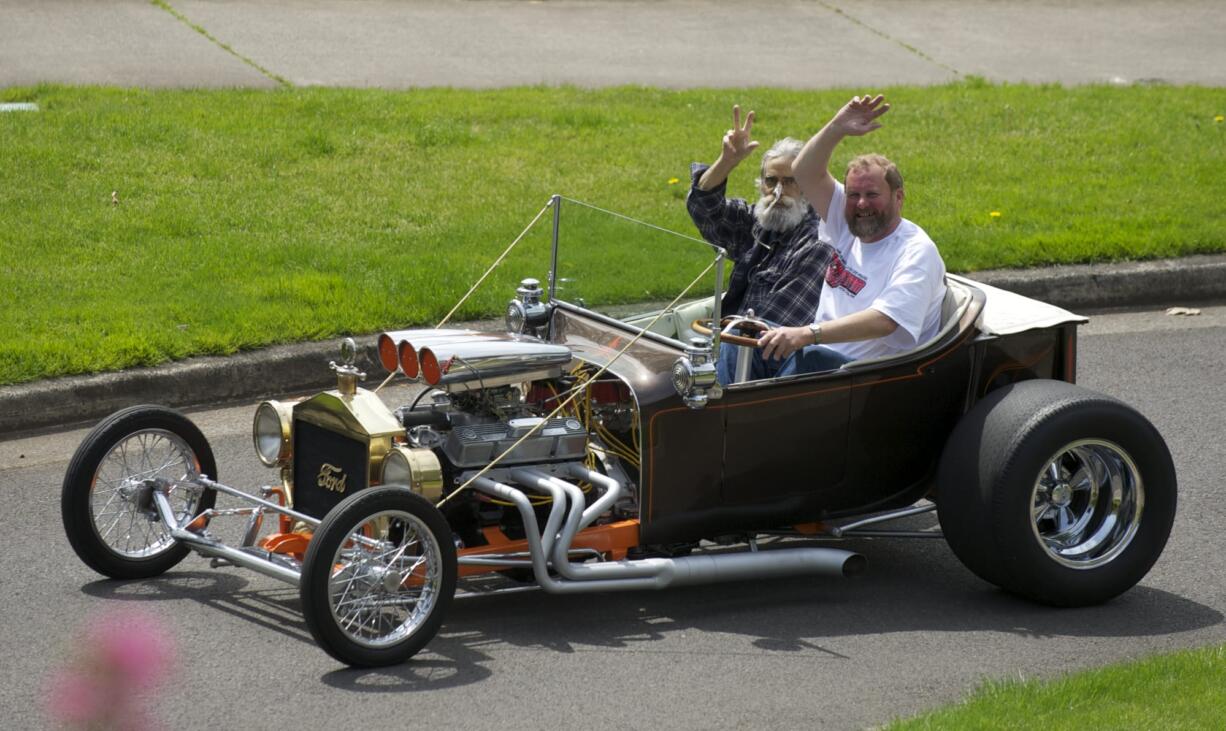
{"x": 909, "y": 587}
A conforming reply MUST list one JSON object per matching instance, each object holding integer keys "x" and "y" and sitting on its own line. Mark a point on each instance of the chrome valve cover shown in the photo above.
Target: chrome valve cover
{"x": 474, "y": 445}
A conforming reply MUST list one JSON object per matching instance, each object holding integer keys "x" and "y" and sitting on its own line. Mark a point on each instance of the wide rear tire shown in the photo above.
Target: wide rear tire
{"x": 1057, "y": 493}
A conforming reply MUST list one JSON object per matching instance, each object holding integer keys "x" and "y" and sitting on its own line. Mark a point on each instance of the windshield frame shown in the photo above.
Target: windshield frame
{"x": 719, "y": 255}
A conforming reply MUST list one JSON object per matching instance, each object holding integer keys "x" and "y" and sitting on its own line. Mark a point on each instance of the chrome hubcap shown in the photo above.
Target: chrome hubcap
{"x": 1087, "y": 504}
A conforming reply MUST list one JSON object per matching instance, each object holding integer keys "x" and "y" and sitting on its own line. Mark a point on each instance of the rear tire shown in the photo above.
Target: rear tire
{"x": 1057, "y": 493}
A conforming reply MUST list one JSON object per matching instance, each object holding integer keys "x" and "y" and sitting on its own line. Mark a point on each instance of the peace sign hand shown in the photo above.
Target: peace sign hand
{"x": 738, "y": 144}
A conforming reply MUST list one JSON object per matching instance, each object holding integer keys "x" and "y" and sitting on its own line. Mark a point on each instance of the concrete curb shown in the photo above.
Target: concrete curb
{"x": 292, "y": 369}
{"x": 1163, "y": 282}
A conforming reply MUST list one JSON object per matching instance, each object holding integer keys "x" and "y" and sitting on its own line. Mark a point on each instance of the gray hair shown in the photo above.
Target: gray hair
{"x": 786, "y": 147}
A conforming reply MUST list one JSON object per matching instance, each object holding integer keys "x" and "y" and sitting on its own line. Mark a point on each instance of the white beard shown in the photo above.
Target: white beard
{"x": 783, "y": 216}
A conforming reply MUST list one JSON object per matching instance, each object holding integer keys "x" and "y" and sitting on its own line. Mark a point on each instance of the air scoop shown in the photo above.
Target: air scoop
{"x": 483, "y": 359}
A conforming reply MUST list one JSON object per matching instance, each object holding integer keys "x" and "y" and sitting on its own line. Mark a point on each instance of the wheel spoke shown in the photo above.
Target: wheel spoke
{"x": 385, "y": 590}
{"x": 120, "y": 521}
{"x": 1064, "y": 519}
{"x": 1081, "y": 480}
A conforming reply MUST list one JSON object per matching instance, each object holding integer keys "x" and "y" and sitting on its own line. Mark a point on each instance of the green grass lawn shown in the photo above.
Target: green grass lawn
{"x": 246, "y": 218}
{"x": 1183, "y": 690}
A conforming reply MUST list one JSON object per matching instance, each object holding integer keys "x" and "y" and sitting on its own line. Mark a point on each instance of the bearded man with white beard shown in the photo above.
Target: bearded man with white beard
{"x": 779, "y": 260}
{"x": 885, "y": 286}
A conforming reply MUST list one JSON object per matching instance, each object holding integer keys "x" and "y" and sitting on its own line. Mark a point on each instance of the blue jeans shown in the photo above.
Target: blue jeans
{"x": 759, "y": 367}
{"x": 810, "y": 359}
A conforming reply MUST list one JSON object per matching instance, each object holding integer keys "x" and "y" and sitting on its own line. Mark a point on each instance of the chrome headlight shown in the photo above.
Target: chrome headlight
{"x": 694, "y": 376}
{"x": 272, "y": 431}
{"x": 516, "y": 316}
{"x": 526, "y": 313}
{"x": 418, "y": 469}
{"x": 683, "y": 375}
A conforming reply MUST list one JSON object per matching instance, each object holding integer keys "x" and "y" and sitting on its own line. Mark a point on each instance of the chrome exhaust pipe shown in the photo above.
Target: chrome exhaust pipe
{"x": 649, "y": 573}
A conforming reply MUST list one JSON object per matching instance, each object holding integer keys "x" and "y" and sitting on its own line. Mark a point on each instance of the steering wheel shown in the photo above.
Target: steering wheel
{"x": 702, "y": 326}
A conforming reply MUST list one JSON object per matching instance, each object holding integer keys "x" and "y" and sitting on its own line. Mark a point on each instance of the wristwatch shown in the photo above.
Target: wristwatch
{"x": 816, "y": 329}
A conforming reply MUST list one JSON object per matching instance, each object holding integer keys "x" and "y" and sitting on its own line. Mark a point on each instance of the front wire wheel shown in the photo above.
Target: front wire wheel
{"x": 1087, "y": 504}
{"x": 378, "y": 577}
{"x": 106, "y": 502}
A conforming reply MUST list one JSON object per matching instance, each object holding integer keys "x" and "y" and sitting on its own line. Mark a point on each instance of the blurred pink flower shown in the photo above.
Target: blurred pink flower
{"x": 120, "y": 658}
{"x": 75, "y": 698}
{"x": 133, "y": 645}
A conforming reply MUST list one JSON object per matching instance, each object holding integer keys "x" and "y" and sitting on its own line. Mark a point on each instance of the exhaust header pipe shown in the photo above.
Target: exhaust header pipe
{"x": 649, "y": 573}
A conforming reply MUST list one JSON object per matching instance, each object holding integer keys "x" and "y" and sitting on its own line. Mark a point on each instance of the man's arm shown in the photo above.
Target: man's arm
{"x": 725, "y": 222}
{"x": 811, "y": 168}
{"x": 864, "y": 325}
{"x": 738, "y": 145}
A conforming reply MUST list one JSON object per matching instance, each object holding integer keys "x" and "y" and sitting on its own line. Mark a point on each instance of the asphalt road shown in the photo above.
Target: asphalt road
{"x": 916, "y": 630}
{"x": 669, "y": 43}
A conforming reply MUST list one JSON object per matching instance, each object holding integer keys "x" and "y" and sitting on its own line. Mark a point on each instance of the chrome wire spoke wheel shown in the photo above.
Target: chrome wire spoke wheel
{"x": 107, "y": 503}
{"x": 386, "y": 580}
{"x": 1087, "y": 504}
{"x": 378, "y": 576}
{"x": 121, "y": 496}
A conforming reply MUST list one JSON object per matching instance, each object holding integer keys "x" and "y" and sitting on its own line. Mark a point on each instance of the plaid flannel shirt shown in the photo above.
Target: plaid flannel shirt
{"x": 778, "y": 274}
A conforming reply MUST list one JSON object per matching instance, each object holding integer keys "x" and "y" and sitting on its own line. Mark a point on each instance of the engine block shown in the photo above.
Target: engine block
{"x": 475, "y": 444}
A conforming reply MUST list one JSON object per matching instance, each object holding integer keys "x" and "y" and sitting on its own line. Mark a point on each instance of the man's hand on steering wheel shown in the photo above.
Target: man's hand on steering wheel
{"x": 781, "y": 342}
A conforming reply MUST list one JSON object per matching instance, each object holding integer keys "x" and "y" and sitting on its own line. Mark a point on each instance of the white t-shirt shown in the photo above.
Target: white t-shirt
{"x": 901, "y": 276}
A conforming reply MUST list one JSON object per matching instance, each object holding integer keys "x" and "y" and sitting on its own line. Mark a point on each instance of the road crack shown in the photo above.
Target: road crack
{"x": 164, "y": 5}
{"x": 901, "y": 44}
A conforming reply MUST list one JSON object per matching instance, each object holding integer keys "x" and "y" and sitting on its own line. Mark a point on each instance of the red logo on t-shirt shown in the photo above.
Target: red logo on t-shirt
{"x": 838, "y": 275}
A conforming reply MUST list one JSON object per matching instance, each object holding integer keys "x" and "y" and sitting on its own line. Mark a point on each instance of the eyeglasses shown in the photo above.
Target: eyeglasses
{"x": 770, "y": 181}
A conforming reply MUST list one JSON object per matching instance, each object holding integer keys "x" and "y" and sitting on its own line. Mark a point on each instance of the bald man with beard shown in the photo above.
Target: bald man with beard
{"x": 886, "y": 283}
{"x": 779, "y": 261}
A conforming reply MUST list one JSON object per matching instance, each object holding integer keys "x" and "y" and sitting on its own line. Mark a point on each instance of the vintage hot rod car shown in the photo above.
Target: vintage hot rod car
{"x": 586, "y": 449}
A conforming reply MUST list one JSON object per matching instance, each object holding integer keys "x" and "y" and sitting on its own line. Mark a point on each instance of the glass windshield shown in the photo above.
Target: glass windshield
{"x": 621, "y": 267}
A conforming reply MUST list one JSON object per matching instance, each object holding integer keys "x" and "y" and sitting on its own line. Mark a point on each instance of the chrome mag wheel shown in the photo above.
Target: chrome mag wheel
{"x": 1087, "y": 504}
{"x": 1057, "y": 493}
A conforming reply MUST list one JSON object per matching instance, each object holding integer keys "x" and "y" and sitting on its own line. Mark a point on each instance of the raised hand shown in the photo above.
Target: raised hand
{"x": 859, "y": 116}
{"x": 738, "y": 142}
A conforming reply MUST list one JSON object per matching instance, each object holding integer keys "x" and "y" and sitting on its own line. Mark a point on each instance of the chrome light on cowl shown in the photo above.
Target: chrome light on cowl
{"x": 693, "y": 374}
{"x": 273, "y": 432}
{"x": 526, "y": 314}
